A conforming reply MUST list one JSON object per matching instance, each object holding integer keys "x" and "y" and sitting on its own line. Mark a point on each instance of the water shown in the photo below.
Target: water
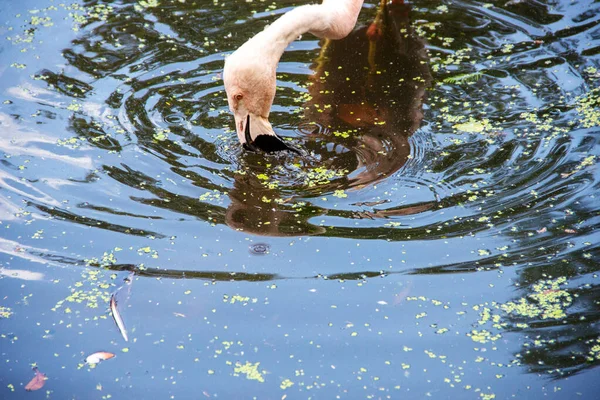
{"x": 437, "y": 237}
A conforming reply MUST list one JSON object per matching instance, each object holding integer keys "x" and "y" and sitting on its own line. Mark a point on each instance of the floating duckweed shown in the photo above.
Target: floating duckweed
{"x": 250, "y": 370}
{"x": 548, "y": 302}
{"x": 5, "y": 312}
{"x": 213, "y": 195}
{"x": 586, "y": 162}
{"x": 148, "y": 250}
{"x": 267, "y": 181}
{"x": 146, "y": 4}
{"x": 91, "y": 291}
{"x": 485, "y": 316}
{"x": 90, "y": 14}
{"x": 594, "y": 353}
{"x": 74, "y": 106}
{"x": 508, "y": 48}
{"x": 108, "y": 259}
{"x": 393, "y": 224}
{"x": 238, "y": 299}
{"x": 340, "y": 193}
{"x": 321, "y": 176}
{"x": 430, "y": 353}
{"x": 588, "y": 108}
{"x": 161, "y": 135}
{"x": 286, "y": 383}
{"x": 73, "y": 142}
{"x": 490, "y": 396}
{"x": 345, "y": 134}
{"x": 483, "y": 336}
{"x": 546, "y": 126}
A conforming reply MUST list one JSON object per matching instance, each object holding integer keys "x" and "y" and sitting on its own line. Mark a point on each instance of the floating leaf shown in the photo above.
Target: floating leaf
{"x": 471, "y": 127}
{"x": 117, "y": 317}
{"x": 37, "y": 382}
{"x": 114, "y": 303}
{"x": 98, "y": 356}
{"x": 463, "y": 78}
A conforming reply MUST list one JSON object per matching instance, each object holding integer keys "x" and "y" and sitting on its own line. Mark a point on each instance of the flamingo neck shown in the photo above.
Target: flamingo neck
{"x": 333, "y": 19}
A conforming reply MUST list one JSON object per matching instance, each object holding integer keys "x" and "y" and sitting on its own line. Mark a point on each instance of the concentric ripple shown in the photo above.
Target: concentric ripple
{"x": 446, "y": 134}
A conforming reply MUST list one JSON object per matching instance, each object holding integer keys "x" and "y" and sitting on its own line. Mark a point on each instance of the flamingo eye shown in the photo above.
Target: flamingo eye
{"x": 239, "y": 96}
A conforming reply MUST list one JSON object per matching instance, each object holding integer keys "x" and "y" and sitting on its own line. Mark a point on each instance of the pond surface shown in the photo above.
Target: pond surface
{"x": 438, "y": 235}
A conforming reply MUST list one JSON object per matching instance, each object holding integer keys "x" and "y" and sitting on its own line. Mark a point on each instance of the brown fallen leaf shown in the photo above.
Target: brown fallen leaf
{"x": 37, "y": 382}
{"x": 98, "y": 356}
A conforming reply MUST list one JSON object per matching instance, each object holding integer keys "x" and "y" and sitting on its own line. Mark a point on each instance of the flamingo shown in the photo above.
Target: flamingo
{"x": 249, "y": 72}
{"x": 378, "y": 95}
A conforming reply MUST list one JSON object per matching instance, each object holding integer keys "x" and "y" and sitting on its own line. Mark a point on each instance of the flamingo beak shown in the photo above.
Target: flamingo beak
{"x": 259, "y": 136}
{"x": 249, "y": 144}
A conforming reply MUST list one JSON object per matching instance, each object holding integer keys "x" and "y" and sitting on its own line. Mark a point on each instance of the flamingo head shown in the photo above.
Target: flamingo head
{"x": 250, "y": 87}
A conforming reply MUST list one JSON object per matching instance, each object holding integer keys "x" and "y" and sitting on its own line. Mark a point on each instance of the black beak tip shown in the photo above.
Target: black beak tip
{"x": 272, "y": 144}
{"x": 266, "y": 143}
